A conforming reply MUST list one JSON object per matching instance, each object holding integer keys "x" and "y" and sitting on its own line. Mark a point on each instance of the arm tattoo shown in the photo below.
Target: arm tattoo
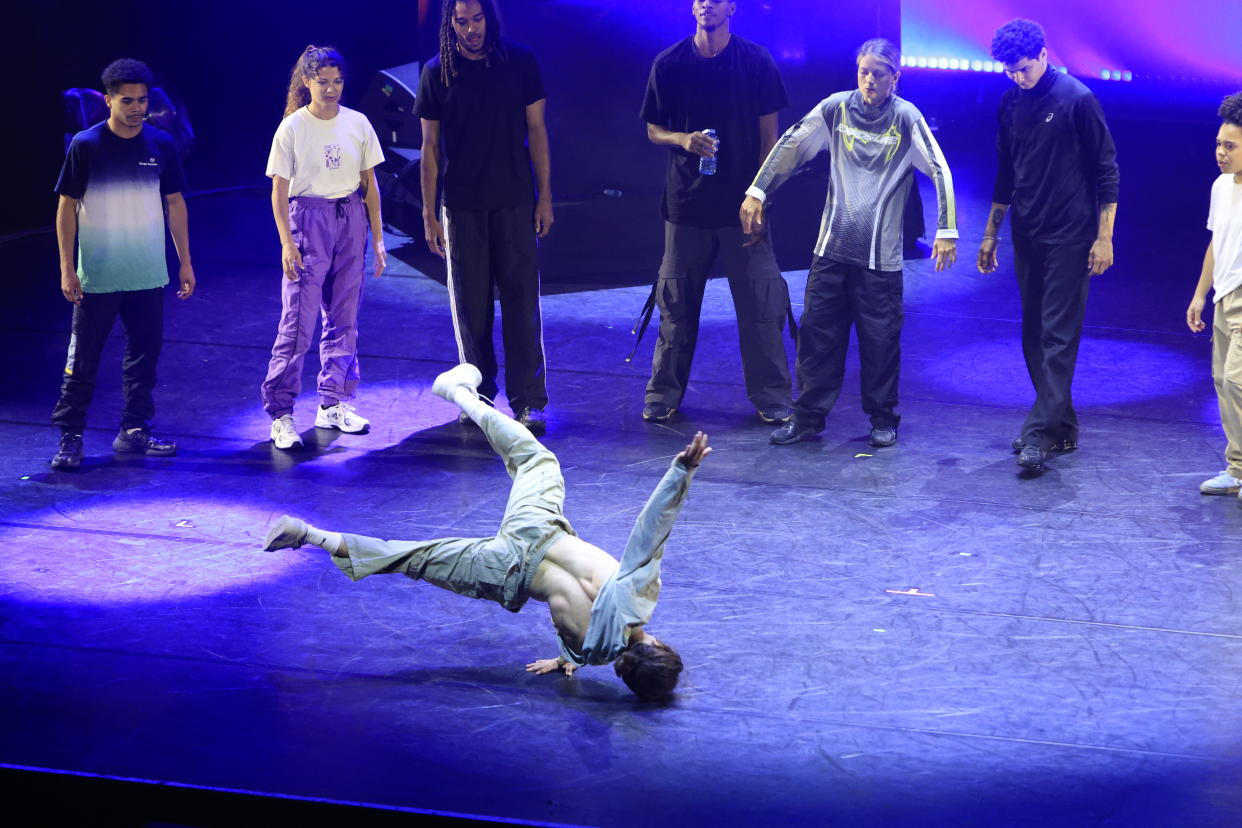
{"x": 998, "y": 215}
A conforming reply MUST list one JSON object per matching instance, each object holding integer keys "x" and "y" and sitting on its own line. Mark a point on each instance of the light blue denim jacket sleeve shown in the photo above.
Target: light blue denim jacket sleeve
{"x": 628, "y": 598}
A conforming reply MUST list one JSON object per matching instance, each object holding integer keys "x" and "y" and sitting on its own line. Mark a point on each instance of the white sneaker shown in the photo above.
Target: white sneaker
{"x": 285, "y": 433}
{"x": 1222, "y": 484}
{"x": 341, "y": 416}
{"x": 462, "y": 375}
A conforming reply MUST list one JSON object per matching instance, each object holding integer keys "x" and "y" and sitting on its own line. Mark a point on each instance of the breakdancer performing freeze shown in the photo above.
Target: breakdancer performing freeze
{"x": 599, "y": 607}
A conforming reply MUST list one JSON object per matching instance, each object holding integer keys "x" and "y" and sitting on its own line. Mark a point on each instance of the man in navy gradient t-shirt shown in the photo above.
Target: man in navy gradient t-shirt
{"x": 118, "y": 177}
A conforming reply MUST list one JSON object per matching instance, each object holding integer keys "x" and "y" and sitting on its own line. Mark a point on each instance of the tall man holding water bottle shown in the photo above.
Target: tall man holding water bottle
{"x": 713, "y": 100}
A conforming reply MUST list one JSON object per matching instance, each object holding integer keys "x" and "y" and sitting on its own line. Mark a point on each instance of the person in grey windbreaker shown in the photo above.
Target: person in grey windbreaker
{"x": 876, "y": 139}
{"x": 599, "y": 607}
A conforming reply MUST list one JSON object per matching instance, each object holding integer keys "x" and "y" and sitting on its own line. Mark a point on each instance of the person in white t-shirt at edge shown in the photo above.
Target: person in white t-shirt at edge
{"x": 1222, "y": 271}
{"x": 324, "y": 194}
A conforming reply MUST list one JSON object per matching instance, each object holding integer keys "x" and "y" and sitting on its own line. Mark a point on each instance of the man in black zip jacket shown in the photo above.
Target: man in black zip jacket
{"x": 1058, "y": 176}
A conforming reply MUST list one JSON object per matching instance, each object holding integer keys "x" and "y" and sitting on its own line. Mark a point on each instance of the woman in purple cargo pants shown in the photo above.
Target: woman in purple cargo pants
{"x": 324, "y": 195}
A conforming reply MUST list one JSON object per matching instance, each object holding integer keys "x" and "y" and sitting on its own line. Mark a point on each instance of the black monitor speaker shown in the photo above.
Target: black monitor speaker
{"x": 389, "y": 105}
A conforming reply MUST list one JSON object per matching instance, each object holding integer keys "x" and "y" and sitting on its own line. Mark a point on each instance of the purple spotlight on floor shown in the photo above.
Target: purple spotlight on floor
{"x": 128, "y": 549}
{"x": 992, "y": 370}
{"x": 396, "y": 409}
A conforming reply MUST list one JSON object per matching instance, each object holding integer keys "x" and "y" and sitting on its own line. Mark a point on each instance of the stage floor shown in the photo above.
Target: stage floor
{"x": 911, "y": 636}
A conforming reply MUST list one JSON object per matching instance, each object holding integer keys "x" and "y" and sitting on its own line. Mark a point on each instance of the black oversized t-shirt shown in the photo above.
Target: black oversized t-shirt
{"x": 482, "y": 119}
{"x": 728, "y": 93}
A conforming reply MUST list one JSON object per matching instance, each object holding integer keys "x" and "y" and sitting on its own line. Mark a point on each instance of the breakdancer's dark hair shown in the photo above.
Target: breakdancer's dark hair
{"x": 1018, "y": 39}
{"x": 312, "y": 59}
{"x": 650, "y": 670}
{"x": 1231, "y": 109}
{"x": 126, "y": 70}
{"x": 492, "y": 47}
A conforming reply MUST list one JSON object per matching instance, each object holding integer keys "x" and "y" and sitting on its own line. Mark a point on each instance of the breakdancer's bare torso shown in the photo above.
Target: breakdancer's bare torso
{"x": 572, "y": 573}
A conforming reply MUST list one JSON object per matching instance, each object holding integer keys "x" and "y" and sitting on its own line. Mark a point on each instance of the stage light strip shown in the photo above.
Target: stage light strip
{"x": 995, "y": 67}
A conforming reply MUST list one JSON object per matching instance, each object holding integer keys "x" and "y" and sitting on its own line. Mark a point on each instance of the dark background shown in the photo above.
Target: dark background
{"x": 228, "y": 61}
{"x": 228, "y": 64}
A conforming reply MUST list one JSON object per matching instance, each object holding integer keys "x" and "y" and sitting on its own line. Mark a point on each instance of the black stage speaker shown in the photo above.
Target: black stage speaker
{"x": 389, "y": 104}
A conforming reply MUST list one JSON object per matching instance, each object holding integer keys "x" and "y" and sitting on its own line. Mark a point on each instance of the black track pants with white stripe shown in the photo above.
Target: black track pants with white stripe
{"x": 490, "y": 252}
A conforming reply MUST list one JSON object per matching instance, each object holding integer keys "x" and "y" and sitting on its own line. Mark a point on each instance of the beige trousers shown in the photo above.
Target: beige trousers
{"x": 1227, "y": 373}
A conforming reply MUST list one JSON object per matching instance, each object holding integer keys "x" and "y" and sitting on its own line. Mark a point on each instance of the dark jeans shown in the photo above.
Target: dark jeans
{"x": 760, "y": 299}
{"x": 1053, "y": 282}
{"x": 838, "y": 295}
{"x": 490, "y": 251}
{"x": 142, "y": 315}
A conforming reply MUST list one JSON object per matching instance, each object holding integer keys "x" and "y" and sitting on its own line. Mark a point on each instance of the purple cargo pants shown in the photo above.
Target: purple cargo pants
{"x": 331, "y": 235}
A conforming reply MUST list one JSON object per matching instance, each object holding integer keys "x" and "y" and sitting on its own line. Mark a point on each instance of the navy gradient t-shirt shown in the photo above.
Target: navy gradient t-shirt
{"x": 120, "y": 184}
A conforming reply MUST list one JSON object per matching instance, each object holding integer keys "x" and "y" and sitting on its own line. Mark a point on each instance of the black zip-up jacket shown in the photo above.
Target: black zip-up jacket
{"x": 1058, "y": 163}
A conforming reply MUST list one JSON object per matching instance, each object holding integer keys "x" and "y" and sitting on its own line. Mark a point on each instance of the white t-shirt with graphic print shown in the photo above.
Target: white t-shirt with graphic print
{"x": 1225, "y": 222}
{"x": 324, "y": 159}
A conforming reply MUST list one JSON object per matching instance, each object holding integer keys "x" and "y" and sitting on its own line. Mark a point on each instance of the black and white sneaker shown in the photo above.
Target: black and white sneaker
{"x": 142, "y": 441}
{"x": 69, "y": 454}
{"x": 1032, "y": 458}
{"x": 534, "y": 420}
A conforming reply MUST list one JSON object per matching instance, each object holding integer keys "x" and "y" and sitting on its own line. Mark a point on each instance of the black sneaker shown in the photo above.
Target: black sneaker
{"x": 657, "y": 412}
{"x": 791, "y": 432}
{"x": 775, "y": 414}
{"x": 883, "y": 436}
{"x": 1062, "y": 446}
{"x": 69, "y": 455}
{"x": 533, "y": 419}
{"x": 1032, "y": 458}
{"x": 142, "y": 441}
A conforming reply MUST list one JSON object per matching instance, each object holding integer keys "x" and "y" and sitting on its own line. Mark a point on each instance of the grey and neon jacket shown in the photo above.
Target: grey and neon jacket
{"x": 873, "y": 150}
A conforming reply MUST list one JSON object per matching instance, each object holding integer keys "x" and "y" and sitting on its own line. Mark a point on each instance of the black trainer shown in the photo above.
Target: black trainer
{"x": 1032, "y": 458}
{"x": 142, "y": 441}
{"x": 883, "y": 436}
{"x": 657, "y": 412}
{"x": 1062, "y": 446}
{"x": 69, "y": 455}
{"x": 533, "y": 419}
{"x": 792, "y": 432}
{"x": 775, "y": 414}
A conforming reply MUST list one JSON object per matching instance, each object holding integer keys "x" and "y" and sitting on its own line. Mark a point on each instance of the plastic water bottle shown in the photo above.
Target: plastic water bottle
{"x": 707, "y": 165}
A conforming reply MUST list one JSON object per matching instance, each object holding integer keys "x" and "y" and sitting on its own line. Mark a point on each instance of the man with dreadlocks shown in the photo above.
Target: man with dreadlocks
{"x": 481, "y": 103}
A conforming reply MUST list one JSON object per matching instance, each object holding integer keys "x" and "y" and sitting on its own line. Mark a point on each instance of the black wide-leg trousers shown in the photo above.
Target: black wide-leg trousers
{"x": 839, "y": 295}
{"x": 1053, "y": 281}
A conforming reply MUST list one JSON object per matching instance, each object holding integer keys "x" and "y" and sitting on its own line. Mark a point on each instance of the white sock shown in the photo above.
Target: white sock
{"x": 469, "y": 402}
{"x": 330, "y": 541}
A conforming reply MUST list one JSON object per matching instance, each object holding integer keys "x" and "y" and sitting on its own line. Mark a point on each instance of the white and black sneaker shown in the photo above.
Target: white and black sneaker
{"x": 285, "y": 433}
{"x": 341, "y": 416}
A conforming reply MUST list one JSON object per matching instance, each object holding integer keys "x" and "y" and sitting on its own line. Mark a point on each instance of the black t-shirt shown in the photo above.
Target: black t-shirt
{"x": 482, "y": 119}
{"x": 728, "y": 93}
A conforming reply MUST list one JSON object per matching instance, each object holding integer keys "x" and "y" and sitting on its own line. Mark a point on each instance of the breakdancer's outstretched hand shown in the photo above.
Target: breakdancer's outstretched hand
{"x": 694, "y": 453}
{"x": 549, "y": 665}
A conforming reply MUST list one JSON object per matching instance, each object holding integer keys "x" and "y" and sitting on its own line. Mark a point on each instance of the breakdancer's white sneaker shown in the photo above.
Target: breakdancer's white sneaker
{"x": 285, "y": 433}
{"x": 462, "y": 376}
{"x": 286, "y": 533}
{"x": 342, "y": 416}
